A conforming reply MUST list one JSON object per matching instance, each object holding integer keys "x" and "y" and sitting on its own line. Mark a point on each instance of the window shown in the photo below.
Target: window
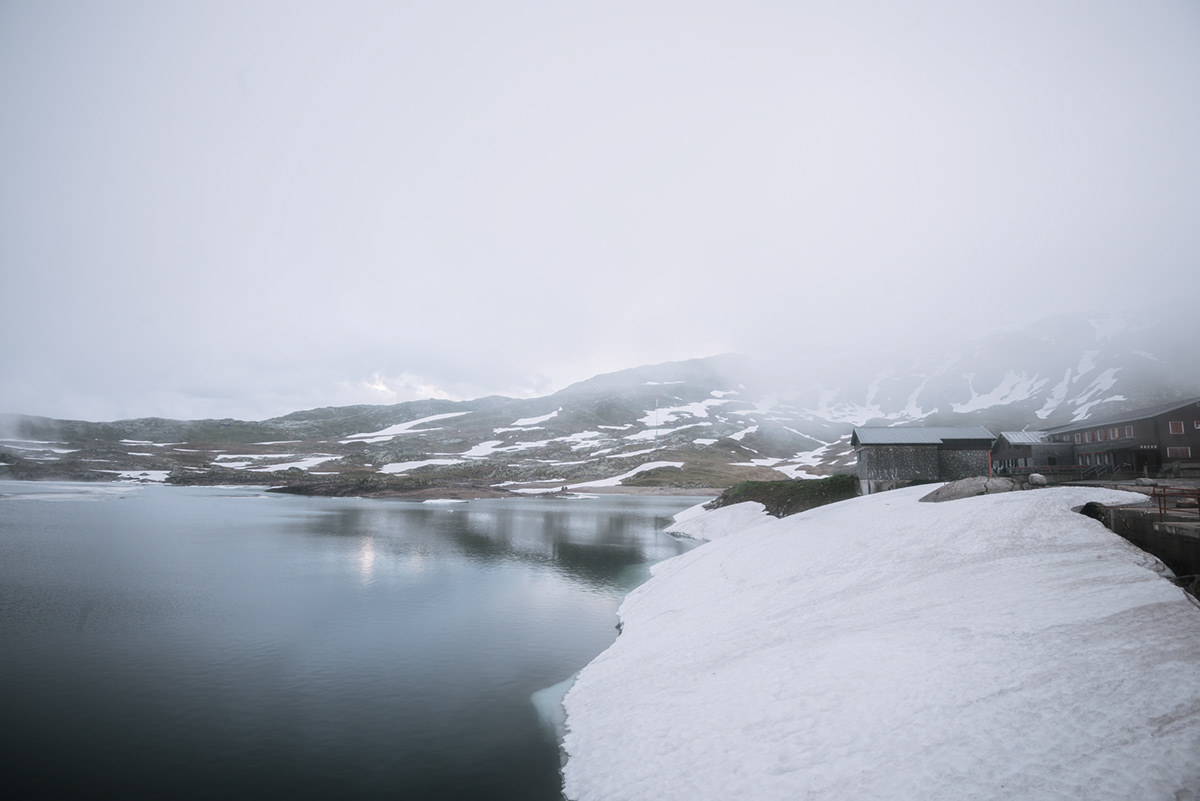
{"x": 1101, "y": 435}
{"x": 1078, "y": 438}
{"x": 1115, "y": 433}
{"x": 1196, "y": 423}
{"x": 1176, "y": 426}
{"x": 1129, "y": 431}
{"x": 1087, "y": 436}
{"x": 1179, "y": 453}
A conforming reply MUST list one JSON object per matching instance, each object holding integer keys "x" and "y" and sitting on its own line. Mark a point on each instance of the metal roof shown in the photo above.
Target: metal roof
{"x": 1024, "y": 437}
{"x": 918, "y": 435}
{"x": 1125, "y": 417}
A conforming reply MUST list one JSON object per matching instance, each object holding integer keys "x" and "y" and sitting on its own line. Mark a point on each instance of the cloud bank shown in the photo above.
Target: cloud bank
{"x": 244, "y": 209}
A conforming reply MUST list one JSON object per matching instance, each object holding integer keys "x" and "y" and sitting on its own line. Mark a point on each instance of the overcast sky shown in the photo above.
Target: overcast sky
{"x": 244, "y": 209}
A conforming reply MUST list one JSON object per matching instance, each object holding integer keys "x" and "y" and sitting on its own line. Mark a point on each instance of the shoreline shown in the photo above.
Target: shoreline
{"x": 447, "y": 492}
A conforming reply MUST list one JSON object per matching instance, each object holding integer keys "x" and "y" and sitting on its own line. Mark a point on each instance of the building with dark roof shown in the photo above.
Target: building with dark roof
{"x": 1144, "y": 441}
{"x": 1028, "y": 451}
{"x": 896, "y": 456}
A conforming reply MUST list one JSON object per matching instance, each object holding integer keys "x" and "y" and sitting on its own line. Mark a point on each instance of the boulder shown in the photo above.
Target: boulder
{"x": 970, "y": 487}
{"x": 1037, "y": 480}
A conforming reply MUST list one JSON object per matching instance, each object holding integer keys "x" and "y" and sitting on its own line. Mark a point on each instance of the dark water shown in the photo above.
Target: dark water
{"x": 223, "y": 643}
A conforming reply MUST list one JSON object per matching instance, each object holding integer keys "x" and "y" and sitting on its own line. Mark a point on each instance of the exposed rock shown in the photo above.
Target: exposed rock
{"x": 1037, "y": 480}
{"x": 970, "y": 487}
{"x": 1146, "y": 482}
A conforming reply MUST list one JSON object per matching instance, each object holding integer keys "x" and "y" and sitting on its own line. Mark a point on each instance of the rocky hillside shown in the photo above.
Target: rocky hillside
{"x": 701, "y": 423}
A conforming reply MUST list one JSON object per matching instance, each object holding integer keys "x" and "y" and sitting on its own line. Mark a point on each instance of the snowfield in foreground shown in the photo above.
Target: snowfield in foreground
{"x": 998, "y": 647}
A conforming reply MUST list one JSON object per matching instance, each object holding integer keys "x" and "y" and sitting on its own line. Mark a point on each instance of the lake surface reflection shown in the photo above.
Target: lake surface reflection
{"x": 216, "y": 642}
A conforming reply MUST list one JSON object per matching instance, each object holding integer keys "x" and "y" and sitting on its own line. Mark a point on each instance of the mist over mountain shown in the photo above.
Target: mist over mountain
{"x": 697, "y": 423}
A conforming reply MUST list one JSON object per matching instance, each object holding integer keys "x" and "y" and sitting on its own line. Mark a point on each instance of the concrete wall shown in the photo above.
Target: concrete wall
{"x": 1177, "y": 546}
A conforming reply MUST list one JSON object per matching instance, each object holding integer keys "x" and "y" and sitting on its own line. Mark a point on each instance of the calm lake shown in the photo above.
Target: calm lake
{"x": 229, "y": 643}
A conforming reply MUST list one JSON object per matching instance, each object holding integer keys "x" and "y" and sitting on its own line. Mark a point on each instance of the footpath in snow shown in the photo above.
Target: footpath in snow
{"x": 997, "y": 647}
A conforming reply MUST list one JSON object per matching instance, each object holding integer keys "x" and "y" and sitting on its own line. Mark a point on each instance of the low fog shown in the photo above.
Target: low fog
{"x": 215, "y": 209}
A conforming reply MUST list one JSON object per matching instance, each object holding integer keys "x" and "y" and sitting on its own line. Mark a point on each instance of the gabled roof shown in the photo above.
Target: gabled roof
{"x": 1024, "y": 437}
{"x": 918, "y": 435}
{"x": 1124, "y": 417}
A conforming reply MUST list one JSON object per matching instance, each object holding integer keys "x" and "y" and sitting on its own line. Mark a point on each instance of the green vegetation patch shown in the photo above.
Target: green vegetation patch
{"x": 699, "y": 470}
{"x": 783, "y": 498}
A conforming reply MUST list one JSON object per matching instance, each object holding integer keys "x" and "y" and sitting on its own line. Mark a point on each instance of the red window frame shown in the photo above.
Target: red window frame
{"x": 1175, "y": 426}
{"x": 1179, "y": 452}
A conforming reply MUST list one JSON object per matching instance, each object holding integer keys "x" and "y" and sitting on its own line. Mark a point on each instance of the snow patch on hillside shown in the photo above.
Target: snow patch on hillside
{"x": 144, "y": 476}
{"x": 630, "y": 454}
{"x": 831, "y": 407}
{"x": 655, "y": 433}
{"x": 301, "y": 464}
{"x": 805, "y": 461}
{"x": 533, "y": 421}
{"x": 1088, "y": 399}
{"x": 740, "y": 435}
{"x": 613, "y": 481}
{"x": 398, "y": 468}
{"x": 1084, "y": 411}
{"x": 401, "y": 428}
{"x": 912, "y": 409}
{"x": 1013, "y": 388}
{"x": 1087, "y": 362}
{"x": 1057, "y": 395}
{"x": 483, "y": 449}
{"x": 669, "y": 414}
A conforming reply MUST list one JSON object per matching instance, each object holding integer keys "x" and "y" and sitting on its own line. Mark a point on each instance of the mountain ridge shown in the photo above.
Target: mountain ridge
{"x": 706, "y": 422}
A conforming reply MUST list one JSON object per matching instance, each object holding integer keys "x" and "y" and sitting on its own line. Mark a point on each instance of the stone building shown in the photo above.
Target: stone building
{"x": 897, "y": 456}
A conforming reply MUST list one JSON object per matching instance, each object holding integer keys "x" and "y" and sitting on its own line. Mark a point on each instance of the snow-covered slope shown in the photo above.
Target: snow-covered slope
{"x": 700, "y": 523}
{"x": 998, "y": 647}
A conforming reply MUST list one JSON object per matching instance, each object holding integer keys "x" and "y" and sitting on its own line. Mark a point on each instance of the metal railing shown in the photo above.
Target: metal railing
{"x": 1078, "y": 471}
{"x": 1164, "y": 495}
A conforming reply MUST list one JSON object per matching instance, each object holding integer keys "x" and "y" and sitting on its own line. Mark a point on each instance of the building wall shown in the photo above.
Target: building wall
{"x": 1005, "y": 454}
{"x": 1033, "y": 455}
{"x": 1061, "y": 451}
{"x": 953, "y": 465}
{"x": 1147, "y": 442}
{"x": 898, "y": 463}
{"x": 888, "y": 466}
{"x": 1179, "y": 447}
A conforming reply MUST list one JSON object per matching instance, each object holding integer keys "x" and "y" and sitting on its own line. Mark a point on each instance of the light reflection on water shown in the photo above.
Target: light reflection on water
{"x": 202, "y": 642}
